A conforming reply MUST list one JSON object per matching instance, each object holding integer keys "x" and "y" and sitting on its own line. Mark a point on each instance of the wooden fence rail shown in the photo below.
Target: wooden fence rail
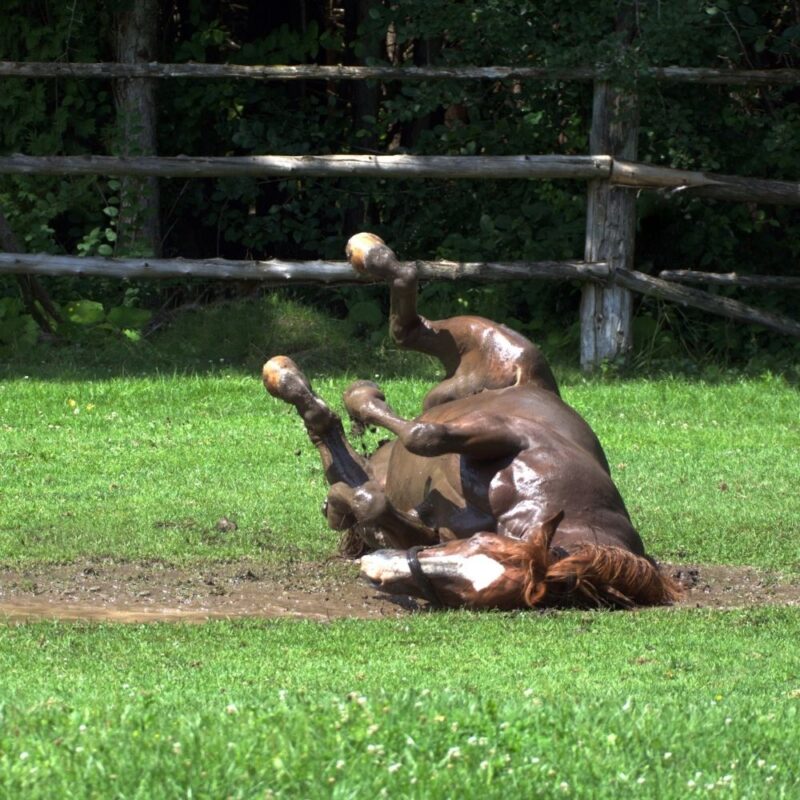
{"x": 279, "y": 273}
{"x": 607, "y": 273}
{"x": 618, "y": 172}
{"x": 336, "y": 166}
{"x": 730, "y": 279}
{"x": 35, "y": 69}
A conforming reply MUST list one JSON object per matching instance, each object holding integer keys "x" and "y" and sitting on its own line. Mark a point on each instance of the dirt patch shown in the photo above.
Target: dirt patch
{"x": 149, "y": 592}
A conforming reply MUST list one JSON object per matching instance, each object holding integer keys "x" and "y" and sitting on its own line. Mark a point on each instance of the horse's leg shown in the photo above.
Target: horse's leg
{"x": 355, "y": 502}
{"x": 367, "y": 508}
{"x": 477, "y": 434}
{"x": 284, "y": 380}
{"x": 476, "y": 353}
{"x": 368, "y": 253}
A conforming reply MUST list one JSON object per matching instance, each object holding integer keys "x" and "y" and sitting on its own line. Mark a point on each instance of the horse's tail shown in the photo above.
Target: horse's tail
{"x": 596, "y": 575}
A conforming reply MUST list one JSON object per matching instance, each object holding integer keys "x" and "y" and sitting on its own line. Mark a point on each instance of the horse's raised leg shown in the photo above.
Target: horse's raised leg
{"x": 476, "y": 434}
{"x": 355, "y": 503}
{"x": 476, "y": 353}
{"x": 368, "y": 253}
{"x": 284, "y": 380}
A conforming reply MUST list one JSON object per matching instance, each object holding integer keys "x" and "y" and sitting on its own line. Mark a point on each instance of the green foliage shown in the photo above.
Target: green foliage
{"x": 18, "y": 330}
{"x": 736, "y": 130}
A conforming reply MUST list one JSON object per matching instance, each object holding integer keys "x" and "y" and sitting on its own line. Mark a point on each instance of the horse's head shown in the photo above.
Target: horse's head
{"x": 484, "y": 571}
{"x": 493, "y": 571}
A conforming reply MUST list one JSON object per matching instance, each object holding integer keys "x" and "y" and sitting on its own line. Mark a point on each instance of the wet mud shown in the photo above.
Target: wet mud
{"x": 110, "y": 591}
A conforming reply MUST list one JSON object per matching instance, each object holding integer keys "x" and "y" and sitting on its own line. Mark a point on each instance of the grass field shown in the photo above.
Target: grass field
{"x": 143, "y": 467}
{"x": 133, "y": 457}
{"x": 653, "y": 704}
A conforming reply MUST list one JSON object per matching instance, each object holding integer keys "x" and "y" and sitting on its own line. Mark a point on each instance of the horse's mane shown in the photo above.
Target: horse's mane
{"x": 593, "y": 575}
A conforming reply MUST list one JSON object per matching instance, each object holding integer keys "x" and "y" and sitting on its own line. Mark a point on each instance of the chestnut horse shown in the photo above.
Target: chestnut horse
{"x": 497, "y": 496}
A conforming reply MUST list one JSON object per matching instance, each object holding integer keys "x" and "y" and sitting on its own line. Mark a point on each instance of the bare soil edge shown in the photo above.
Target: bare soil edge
{"x": 110, "y": 591}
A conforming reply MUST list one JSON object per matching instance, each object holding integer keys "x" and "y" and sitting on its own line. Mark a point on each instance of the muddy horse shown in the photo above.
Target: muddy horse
{"x": 498, "y": 495}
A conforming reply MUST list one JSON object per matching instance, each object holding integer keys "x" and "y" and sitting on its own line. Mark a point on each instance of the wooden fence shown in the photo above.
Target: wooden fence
{"x": 611, "y": 170}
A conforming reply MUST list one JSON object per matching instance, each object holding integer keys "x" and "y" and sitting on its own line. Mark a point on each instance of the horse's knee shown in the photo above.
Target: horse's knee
{"x": 347, "y": 506}
{"x": 337, "y": 508}
{"x": 424, "y": 438}
{"x": 369, "y": 502}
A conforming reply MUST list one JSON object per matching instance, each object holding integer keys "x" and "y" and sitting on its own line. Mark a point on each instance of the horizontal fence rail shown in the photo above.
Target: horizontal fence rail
{"x": 705, "y": 184}
{"x": 731, "y": 279}
{"x": 35, "y": 69}
{"x": 398, "y": 166}
{"x": 617, "y": 172}
{"x": 277, "y": 273}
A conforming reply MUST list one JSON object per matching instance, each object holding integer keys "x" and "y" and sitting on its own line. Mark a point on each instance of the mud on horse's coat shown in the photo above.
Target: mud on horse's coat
{"x": 497, "y": 495}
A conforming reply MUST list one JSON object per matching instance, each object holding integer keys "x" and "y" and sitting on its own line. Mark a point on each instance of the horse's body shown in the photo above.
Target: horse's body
{"x": 505, "y": 485}
{"x": 559, "y": 466}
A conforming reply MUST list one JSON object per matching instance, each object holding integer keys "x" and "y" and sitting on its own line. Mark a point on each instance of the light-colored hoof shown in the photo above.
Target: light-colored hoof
{"x": 283, "y": 379}
{"x": 358, "y": 248}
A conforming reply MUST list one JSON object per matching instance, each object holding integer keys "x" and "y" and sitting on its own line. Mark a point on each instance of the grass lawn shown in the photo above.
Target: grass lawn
{"x": 136, "y": 458}
{"x": 143, "y": 467}
{"x": 607, "y": 705}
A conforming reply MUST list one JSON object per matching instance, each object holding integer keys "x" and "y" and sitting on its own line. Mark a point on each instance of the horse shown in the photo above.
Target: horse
{"x": 498, "y": 495}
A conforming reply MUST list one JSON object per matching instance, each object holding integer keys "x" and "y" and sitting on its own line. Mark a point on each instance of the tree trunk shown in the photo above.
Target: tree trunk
{"x": 364, "y": 102}
{"x": 32, "y": 291}
{"x": 136, "y": 36}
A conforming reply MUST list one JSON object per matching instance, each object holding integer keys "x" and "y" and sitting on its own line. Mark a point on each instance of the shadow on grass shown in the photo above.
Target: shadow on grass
{"x": 238, "y": 336}
{"x": 231, "y": 337}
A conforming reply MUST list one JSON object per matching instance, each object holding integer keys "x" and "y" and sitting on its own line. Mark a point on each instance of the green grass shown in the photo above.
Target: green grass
{"x": 143, "y": 467}
{"x": 604, "y": 705}
{"x": 136, "y": 453}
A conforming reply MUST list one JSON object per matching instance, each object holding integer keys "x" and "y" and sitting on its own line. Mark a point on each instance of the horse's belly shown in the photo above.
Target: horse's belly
{"x": 433, "y": 488}
{"x": 410, "y": 478}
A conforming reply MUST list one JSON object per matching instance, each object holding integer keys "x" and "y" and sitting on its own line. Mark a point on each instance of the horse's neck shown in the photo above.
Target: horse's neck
{"x": 599, "y": 528}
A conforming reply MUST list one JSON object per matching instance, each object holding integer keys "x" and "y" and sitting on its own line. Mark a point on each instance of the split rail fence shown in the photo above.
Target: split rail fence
{"x": 611, "y": 170}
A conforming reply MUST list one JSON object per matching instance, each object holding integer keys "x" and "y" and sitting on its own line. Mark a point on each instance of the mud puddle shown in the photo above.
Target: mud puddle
{"x": 147, "y": 592}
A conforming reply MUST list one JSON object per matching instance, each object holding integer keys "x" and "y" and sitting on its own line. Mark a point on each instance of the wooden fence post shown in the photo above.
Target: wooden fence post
{"x": 136, "y": 39}
{"x": 606, "y": 310}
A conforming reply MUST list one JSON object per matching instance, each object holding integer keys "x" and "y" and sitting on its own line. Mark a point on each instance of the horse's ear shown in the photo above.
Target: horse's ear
{"x": 546, "y": 530}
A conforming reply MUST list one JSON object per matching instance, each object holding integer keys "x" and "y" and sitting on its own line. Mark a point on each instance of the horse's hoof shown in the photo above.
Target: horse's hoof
{"x": 358, "y": 249}
{"x": 283, "y": 379}
{"x": 358, "y": 396}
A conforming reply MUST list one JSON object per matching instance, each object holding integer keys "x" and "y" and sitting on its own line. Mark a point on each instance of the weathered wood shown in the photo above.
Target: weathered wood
{"x": 606, "y": 312}
{"x": 731, "y": 279}
{"x": 723, "y": 306}
{"x": 622, "y": 173}
{"x": 705, "y": 184}
{"x": 277, "y": 272}
{"x": 739, "y": 77}
{"x": 34, "y": 69}
{"x": 399, "y": 166}
{"x": 135, "y": 40}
